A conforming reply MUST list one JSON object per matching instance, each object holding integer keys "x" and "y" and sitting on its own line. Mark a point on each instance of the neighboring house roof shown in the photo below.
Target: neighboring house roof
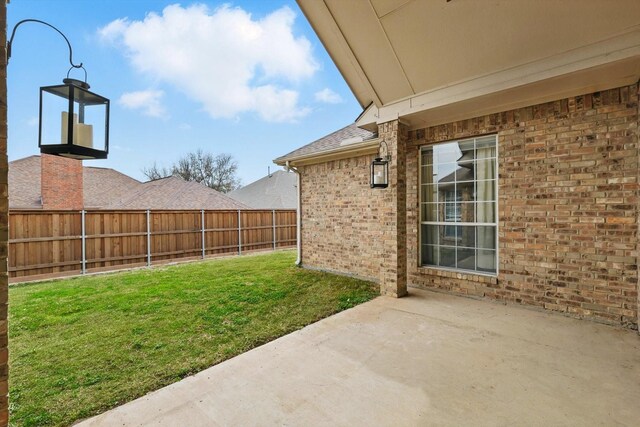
{"x": 275, "y": 191}
{"x": 24, "y": 183}
{"x": 106, "y": 188}
{"x": 103, "y": 185}
{"x": 175, "y": 193}
{"x": 348, "y": 138}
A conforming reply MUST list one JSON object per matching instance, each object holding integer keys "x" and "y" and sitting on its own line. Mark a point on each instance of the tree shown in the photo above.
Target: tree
{"x": 217, "y": 172}
{"x": 156, "y": 172}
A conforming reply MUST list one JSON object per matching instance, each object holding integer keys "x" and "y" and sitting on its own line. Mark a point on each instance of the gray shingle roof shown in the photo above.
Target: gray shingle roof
{"x": 103, "y": 185}
{"x": 175, "y": 193}
{"x": 329, "y": 142}
{"x": 24, "y": 183}
{"x": 277, "y": 191}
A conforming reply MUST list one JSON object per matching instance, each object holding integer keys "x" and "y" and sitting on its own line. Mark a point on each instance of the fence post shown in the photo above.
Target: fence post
{"x": 273, "y": 221}
{"x": 148, "y": 239}
{"x": 239, "y": 233}
{"x": 202, "y": 223}
{"x": 84, "y": 245}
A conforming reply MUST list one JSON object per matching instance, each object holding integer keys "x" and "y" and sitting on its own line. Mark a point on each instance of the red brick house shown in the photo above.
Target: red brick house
{"x": 512, "y": 130}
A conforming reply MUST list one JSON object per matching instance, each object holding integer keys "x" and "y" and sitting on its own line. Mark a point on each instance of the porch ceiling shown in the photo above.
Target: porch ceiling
{"x": 393, "y": 51}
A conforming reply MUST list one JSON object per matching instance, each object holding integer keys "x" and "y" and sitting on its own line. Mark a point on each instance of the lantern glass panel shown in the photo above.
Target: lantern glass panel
{"x": 91, "y": 124}
{"x": 379, "y": 174}
{"x": 50, "y": 119}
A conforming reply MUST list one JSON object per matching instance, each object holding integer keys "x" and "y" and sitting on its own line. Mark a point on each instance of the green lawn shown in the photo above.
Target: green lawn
{"x": 83, "y": 345}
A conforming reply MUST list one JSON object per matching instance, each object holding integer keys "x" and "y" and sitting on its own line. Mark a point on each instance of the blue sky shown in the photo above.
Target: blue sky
{"x": 248, "y": 78}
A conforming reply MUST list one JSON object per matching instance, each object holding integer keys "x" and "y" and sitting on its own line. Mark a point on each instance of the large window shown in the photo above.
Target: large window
{"x": 458, "y": 205}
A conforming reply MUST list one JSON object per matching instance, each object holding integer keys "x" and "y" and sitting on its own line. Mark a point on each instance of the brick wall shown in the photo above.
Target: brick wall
{"x": 4, "y": 222}
{"x": 61, "y": 182}
{"x": 350, "y": 228}
{"x": 393, "y": 274}
{"x": 568, "y": 206}
{"x": 342, "y": 218}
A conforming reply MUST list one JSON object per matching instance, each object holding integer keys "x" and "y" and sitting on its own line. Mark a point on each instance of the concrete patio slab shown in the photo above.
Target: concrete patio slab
{"x": 428, "y": 359}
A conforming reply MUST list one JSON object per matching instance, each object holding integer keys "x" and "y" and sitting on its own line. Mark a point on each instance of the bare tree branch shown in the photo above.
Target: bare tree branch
{"x": 217, "y": 172}
{"x": 156, "y": 172}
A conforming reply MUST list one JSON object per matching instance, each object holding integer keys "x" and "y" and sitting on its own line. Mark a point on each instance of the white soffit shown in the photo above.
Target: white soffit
{"x": 410, "y": 55}
{"x": 581, "y": 82}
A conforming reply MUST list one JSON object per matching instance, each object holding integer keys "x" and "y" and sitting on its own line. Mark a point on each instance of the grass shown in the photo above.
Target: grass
{"x": 81, "y": 346}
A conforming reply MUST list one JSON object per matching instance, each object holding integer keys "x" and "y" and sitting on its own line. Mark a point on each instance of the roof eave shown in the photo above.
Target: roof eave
{"x": 364, "y": 148}
{"x": 328, "y": 31}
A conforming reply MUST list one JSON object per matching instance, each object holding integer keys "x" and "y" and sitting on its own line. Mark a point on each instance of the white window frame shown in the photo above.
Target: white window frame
{"x": 455, "y": 224}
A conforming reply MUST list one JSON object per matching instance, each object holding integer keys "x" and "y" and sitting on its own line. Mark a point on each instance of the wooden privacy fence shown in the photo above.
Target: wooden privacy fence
{"x": 58, "y": 243}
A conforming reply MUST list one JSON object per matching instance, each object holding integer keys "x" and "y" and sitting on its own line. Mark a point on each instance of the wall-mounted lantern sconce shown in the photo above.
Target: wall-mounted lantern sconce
{"x": 74, "y": 122}
{"x": 380, "y": 168}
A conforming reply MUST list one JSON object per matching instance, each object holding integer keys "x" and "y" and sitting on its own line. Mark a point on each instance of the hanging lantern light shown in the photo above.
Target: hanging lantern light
{"x": 74, "y": 122}
{"x": 380, "y": 169}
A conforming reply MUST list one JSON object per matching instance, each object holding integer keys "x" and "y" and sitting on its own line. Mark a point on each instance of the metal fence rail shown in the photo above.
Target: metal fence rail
{"x": 57, "y": 243}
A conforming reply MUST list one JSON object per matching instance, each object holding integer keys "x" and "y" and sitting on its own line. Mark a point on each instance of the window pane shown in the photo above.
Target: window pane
{"x": 429, "y": 234}
{"x": 427, "y": 174}
{"x": 486, "y": 260}
{"x": 447, "y": 257}
{"x": 450, "y": 195}
{"x": 485, "y": 191}
{"x": 467, "y": 212}
{"x": 429, "y": 212}
{"x": 466, "y": 151}
{"x": 427, "y": 157}
{"x": 428, "y": 193}
{"x": 446, "y": 192}
{"x": 466, "y": 258}
{"x": 446, "y": 153}
{"x": 447, "y": 234}
{"x": 486, "y": 237}
{"x": 445, "y": 173}
{"x": 485, "y": 169}
{"x": 430, "y": 255}
{"x": 486, "y": 147}
{"x": 451, "y": 212}
{"x": 465, "y": 172}
{"x": 486, "y": 212}
{"x": 466, "y": 235}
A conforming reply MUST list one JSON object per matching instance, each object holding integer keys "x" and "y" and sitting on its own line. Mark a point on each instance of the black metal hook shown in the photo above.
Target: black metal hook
{"x": 13, "y": 33}
{"x": 387, "y": 156}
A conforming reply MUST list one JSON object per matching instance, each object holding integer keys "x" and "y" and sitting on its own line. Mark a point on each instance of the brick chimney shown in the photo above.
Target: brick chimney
{"x": 61, "y": 182}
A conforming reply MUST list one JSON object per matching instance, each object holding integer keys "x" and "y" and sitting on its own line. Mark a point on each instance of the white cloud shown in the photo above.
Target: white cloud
{"x": 328, "y": 96}
{"x": 113, "y": 30}
{"x": 223, "y": 59}
{"x": 32, "y": 121}
{"x": 149, "y": 101}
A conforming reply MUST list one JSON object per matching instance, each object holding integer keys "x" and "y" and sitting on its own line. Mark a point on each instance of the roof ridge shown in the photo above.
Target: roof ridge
{"x": 24, "y": 158}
